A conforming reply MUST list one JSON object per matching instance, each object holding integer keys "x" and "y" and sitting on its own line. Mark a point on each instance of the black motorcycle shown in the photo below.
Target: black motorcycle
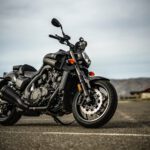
{"x": 63, "y": 85}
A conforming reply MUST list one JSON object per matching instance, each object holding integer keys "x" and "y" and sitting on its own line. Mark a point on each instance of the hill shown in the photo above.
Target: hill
{"x": 125, "y": 86}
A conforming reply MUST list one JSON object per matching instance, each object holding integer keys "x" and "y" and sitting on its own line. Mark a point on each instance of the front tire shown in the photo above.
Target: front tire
{"x": 103, "y": 106}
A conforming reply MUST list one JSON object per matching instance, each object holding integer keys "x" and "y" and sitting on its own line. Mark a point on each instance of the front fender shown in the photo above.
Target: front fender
{"x": 97, "y": 78}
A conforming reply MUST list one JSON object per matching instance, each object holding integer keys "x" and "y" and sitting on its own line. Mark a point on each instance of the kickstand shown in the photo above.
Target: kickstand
{"x": 58, "y": 121}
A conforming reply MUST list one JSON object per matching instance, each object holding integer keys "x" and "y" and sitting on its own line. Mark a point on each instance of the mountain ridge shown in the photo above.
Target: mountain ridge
{"x": 125, "y": 86}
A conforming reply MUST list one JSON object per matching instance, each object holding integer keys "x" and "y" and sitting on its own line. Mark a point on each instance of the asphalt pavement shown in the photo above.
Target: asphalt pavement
{"x": 129, "y": 129}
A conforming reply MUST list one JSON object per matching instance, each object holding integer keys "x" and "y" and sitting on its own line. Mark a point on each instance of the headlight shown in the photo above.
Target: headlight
{"x": 86, "y": 59}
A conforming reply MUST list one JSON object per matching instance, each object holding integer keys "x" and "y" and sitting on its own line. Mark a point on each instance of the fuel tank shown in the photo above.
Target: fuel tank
{"x": 55, "y": 59}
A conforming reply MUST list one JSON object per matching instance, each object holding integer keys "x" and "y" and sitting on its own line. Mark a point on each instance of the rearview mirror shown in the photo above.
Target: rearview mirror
{"x": 55, "y": 22}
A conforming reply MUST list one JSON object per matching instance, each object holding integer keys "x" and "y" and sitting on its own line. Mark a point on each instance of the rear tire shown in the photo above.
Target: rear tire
{"x": 111, "y": 108}
{"x": 13, "y": 117}
{"x": 8, "y": 112}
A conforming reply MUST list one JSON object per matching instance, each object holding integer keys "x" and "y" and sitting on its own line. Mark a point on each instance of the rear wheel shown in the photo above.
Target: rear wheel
{"x": 101, "y": 108}
{"x": 8, "y": 114}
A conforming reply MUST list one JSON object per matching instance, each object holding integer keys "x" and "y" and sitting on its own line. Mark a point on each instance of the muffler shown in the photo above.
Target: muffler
{"x": 10, "y": 96}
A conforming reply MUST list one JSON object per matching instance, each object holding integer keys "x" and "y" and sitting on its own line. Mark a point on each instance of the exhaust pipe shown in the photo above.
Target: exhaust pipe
{"x": 10, "y": 96}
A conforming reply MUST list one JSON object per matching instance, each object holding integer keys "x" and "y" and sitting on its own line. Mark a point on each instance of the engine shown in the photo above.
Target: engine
{"x": 44, "y": 86}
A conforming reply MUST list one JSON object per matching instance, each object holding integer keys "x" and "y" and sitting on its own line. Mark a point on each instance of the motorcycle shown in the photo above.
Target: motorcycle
{"x": 63, "y": 85}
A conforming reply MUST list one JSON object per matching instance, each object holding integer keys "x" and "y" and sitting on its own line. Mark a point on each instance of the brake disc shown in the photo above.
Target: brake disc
{"x": 90, "y": 110}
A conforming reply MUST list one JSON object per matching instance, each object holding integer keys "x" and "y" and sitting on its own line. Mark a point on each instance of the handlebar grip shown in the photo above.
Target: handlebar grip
{"x": 53, "y": 36}
{"x": 59, "y": 38}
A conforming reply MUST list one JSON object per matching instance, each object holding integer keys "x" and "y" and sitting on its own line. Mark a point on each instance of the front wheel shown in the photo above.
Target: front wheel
{"x": 101, "y": 108}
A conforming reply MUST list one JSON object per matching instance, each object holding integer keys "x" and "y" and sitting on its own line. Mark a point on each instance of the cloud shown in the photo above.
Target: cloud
{"x": 117, "y": 32}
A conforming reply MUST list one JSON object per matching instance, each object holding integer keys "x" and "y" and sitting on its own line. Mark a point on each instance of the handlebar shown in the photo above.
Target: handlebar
{"x": 62, "y": 40}
{"x": 65, "y": 40}
{"x": 55, "y": 37}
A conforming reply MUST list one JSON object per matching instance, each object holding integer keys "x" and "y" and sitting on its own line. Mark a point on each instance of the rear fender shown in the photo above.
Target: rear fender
{"x": 11, "y": 76}
{"x": 2, "y": 83}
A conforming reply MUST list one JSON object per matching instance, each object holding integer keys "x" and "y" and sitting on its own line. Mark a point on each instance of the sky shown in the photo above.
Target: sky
{"x": 117, "y": 32}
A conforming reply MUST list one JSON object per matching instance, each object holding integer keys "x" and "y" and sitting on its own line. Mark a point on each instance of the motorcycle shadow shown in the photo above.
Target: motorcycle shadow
{"x": 46, "y": 124}
{"x": 114, "y": 124}
{"x": 127, "y": 124}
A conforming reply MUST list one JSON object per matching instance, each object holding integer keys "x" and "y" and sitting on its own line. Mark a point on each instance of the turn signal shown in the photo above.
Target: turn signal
{"x": 91, "y": 73}
{"x": 71, "y": 61}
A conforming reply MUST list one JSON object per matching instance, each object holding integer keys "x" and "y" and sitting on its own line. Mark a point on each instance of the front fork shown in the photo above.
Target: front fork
{"x": 83, "y": 80}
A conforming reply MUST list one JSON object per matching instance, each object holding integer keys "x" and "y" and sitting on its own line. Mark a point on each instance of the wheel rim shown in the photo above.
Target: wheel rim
{"x": 5, "y": 110}
{"x": 99, "y": 106}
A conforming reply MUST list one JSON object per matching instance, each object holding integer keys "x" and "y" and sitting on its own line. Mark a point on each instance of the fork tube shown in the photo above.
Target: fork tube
{"x": 86, "y": 93}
